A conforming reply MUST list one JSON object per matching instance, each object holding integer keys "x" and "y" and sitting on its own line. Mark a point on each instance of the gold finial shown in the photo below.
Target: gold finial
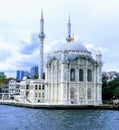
{"x": 72, "y": 38}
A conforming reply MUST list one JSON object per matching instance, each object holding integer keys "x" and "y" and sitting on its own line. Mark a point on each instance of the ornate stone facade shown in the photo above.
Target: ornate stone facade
{"x": 73, "y": 76}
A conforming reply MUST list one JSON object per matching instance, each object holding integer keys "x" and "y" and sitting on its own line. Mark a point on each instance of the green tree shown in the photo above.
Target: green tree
{"x": 116, "y": 92}
{"x": 35, "y": 76}
{"x": 110, "y": 89}
{"x": 2, "y": 80}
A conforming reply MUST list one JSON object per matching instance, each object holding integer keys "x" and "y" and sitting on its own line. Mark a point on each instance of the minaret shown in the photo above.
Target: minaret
{"x": 41, "y": 37}
{"x": 99, "y": 77}
{"x": 68, "y": 38}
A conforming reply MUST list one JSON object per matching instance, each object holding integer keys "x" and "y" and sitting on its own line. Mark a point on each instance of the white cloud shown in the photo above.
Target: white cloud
{"x": 52, "y": 46}
{"x": 101, "y": 49}
{"x": 89, "y": 46}
{"x": 93, "y": 21}
{"x": 92, "y": 47}
{"x": 11, "y": 58}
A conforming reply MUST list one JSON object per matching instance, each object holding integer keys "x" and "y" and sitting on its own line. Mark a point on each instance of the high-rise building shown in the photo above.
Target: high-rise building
{"x": 34, "y": 72}
{"x": 19, "y": 75}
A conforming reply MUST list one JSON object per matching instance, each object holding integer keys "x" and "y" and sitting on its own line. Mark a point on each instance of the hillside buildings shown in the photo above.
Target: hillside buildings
{"x": 10, "y": 89}
{"x": 109, "y": 76}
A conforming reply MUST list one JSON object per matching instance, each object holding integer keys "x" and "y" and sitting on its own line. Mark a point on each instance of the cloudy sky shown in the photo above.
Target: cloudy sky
{"x": 95, "y": 23}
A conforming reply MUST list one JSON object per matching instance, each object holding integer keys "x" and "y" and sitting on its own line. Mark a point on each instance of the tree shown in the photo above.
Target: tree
{"x": 35, "y": 76}
{"x": 116, "y": 92}
{"x": 110, "y": 89}
{"x": 2, "y": 80}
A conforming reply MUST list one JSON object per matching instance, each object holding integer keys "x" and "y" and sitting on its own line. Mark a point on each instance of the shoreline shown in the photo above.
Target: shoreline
{"x": 58, "y": 106}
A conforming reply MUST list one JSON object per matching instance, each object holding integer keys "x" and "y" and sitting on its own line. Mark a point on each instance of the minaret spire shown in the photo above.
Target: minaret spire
{"x": 68, "y": 38}
{"x": 41, "y": 37}
{"x": 42, "y": 14}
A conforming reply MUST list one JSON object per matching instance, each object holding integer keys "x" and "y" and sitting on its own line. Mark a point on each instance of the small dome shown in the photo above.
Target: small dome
{"x": 74, "y": 46}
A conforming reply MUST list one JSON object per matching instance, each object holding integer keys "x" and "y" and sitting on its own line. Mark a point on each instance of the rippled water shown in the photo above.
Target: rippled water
{"x": 16, "y": 118}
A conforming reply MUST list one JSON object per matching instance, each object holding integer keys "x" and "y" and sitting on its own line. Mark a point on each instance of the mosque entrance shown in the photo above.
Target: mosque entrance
{"x": 73, "y": 95}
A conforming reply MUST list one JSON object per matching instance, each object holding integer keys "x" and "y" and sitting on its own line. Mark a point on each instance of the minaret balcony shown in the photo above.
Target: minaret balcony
{"x": 69, "y": 39}
{"x": 41, "y": 35}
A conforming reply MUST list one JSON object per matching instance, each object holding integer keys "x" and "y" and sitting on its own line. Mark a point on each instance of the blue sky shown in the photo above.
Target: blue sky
{"x": 95, "y": 23}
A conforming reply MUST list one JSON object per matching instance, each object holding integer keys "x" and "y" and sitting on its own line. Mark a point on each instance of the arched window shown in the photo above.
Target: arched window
{"x": 27, "y": 86}
{"x": 89, "y": 93}
{"x": 89, "y": 75}
{"x": 42, "y": 87}
{"x": 72, "y": 74}
{"x": 36, "y": 86}
{"x": 81, "y": 75}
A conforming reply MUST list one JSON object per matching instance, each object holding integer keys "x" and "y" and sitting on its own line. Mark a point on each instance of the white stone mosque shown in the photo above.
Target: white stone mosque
{"x": 72, "y": 75}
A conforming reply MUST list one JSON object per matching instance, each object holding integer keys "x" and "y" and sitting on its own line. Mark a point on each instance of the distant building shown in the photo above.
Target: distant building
{"x": 34, "y": 72}
{"x": 10, "y": 88}
{"x": 109, "y": 76}
{"x": 5, "y": 91}
{"x": 19, "y": 75}
{"x": 32, "y": 91}
{"x": 14, "y": 88}
{"x": 26, "y": 74}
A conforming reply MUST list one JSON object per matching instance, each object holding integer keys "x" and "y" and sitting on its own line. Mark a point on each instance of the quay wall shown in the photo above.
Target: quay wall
{"x": 57, "y": 106}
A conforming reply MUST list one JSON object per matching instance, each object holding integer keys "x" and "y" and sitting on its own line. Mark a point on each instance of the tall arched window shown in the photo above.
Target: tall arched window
{"x": 89, "y": 75}
{"x": 81, "y": 75}
{"x": 89, "y": 93}
{"x": 72, "y": 74}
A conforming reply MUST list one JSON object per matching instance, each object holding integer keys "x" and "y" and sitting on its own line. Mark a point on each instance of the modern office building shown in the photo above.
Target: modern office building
{"x": 19, "y": 75}
{"x": 34, "y": 72}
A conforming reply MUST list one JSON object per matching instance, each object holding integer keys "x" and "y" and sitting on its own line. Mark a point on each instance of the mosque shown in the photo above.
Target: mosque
{"x": 72, "y": 75}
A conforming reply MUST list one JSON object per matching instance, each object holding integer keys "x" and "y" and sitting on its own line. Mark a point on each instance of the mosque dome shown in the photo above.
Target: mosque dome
{"x": 75, "y": 46}
{"x": 73, "y": 50}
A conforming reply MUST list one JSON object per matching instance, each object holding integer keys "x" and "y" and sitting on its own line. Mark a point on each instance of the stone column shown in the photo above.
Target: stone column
{"x": 86, "y": 81}
{"x": 94, "y": 84}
